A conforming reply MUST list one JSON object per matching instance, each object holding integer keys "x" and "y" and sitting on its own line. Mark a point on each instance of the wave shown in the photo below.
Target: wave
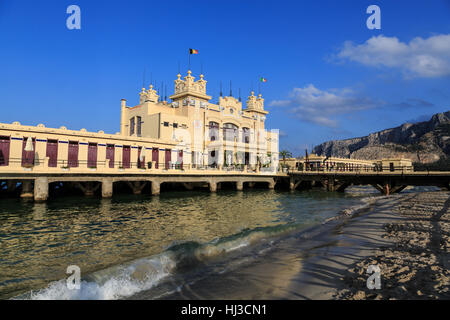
{"x": 127, "y": 279}
{"x": 353, "y": 210}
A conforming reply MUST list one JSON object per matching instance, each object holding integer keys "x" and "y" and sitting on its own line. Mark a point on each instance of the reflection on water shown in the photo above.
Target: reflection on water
{"x": 39, "y": 240}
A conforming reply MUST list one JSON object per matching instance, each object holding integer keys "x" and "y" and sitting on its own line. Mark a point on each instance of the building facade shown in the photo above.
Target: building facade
{"x": 188, "y": 133}
{"x": 322, "y": 163}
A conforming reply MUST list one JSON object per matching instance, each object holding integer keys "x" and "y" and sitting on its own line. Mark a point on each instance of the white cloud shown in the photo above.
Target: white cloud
{"x": 321, "y": 107}
{"x": 420, "y": 57}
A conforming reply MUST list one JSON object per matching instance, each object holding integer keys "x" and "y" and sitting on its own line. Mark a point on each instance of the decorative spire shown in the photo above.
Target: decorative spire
{"x": 231, "y": 91}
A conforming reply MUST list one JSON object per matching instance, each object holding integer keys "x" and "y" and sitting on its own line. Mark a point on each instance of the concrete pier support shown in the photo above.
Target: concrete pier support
{"x": 188, "y": 186}
{"x": 11, "y": 185}
{"x": 88, "y": 187}
{"x": 239, "y": 185}
{"x": 386, "y": 188}
{"x": 291, "y": 184}
{"x": 27, "y": 191}
{"x": 330, "y": 184}
{"x": 137, "y": 186}
{"x": 212, "y": 186}
{"x": 156, "y": 188}
{"x": 107, "y": 188}
{"x": 41, "y": 189}
{"x": 272, "y": 184}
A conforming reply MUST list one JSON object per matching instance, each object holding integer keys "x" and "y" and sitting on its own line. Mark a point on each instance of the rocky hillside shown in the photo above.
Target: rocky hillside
{"x": 423, "y": 142}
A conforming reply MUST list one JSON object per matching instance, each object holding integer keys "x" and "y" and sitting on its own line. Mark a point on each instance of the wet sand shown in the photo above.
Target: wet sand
{"x": 406, "y": 235}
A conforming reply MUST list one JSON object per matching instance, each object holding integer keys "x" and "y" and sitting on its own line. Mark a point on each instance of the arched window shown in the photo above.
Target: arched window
{"x": 213, "y": 131}
{"x": 230, "y": 132}
{"x": 246, "y": 135}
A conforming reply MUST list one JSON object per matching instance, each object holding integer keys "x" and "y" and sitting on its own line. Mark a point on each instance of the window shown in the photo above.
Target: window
{"x": 110, "y": 154}
{"x": 4, "y": 151}
{"x": 245, "y": 135}
{"x": 166, "y": 124}
{"x": 52, "y": 152}
{"x": 28, "y": 155}
{"x": 175, "y": 125}
{"x": 139, "y": 126}
{"x": 213, "y": 130}
{"x": 72, "y": 158}
{"x": 230, "y": 132}
{"x": 131, "y": 126}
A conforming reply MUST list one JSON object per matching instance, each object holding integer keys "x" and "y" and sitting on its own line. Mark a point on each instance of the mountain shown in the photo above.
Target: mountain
{"x": 422, "y": 142}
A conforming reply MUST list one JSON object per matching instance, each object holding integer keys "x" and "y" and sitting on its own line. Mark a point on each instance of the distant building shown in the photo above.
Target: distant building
{"x": 322, "y": 163}
{"x": 188, "y": 132}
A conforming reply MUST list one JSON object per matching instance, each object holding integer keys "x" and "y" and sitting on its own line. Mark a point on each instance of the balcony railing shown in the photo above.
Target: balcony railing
{"x": 384, "y": 169}
{"x": 46, "y": 164}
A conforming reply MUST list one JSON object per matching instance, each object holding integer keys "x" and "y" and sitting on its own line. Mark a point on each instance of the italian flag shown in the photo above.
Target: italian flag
{"x": 193, "y": 51}
{"x": 263, "y": 79}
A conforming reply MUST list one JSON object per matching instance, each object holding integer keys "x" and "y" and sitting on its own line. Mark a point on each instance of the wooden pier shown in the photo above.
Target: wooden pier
{"x": 387, "y": 182}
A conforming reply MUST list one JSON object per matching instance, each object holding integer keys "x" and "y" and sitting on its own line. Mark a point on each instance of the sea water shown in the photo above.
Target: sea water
{"x": 133, "y": 246}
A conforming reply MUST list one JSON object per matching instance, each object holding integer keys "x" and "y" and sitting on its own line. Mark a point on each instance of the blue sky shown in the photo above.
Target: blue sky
{"x": 329, "y": 76}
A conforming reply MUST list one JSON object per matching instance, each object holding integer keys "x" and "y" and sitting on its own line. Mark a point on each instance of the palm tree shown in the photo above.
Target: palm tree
{"x": 285, "y": 154}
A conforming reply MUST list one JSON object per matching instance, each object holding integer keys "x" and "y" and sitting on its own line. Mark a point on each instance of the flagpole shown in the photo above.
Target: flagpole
{"x": 189, "y": 59}
{"x": 259, "y": 85}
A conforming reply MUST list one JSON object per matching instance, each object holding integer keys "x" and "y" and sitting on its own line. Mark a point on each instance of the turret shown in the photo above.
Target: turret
{"x": 255, "y": 104}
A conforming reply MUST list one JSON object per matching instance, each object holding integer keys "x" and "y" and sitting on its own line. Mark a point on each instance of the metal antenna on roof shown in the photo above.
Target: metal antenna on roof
{"x": 143, "y": 79}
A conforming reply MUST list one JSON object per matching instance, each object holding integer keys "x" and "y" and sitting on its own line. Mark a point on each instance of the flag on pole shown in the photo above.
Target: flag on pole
{"x": 193, "y": 51}
{"x": 263, "y": 79}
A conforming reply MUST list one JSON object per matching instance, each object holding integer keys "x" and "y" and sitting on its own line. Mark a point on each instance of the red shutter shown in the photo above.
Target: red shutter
{"x": 52, "y": 153}
{"x": 73, "y": 154}
{"x": 126, "y": 156}
{"x": 155, "y": 156}
{"x": 28, "y": 156}
{"x": 168, "y": 157}
{"x": 4, "y": 151}
{"x": 92, "y": 155}
{"x": 110, "y": 154}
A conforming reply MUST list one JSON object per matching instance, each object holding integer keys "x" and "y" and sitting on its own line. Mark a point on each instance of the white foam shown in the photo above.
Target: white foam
{"x": 112, "y": 283}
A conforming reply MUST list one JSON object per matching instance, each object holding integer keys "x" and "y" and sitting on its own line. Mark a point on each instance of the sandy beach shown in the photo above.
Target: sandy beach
{"x": 416, "y": 264}
{"x": 405, "y": 235}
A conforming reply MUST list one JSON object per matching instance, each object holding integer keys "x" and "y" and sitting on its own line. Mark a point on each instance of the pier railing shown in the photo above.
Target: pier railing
{"x": 46, "y": 164}
{"x": 374, "y": 170}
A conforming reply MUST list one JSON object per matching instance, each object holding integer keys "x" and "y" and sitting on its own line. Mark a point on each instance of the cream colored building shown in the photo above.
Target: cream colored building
{"x": 322, "y": 163}
{"x": 187, "y": 133}
{"x": 205, "y": 133}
